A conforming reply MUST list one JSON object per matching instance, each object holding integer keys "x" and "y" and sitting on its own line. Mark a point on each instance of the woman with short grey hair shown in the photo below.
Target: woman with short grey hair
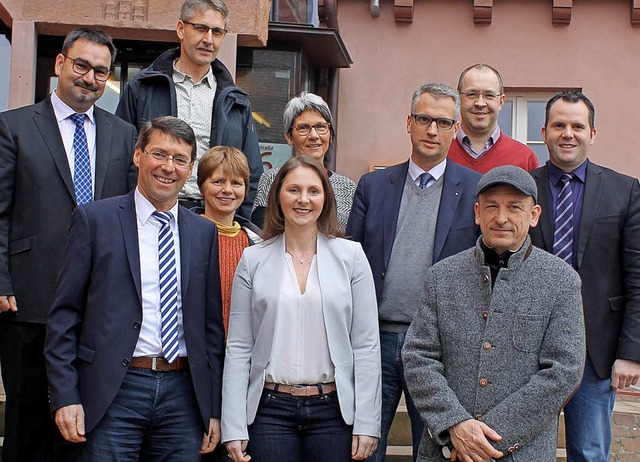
{"x": 309, "y": 129}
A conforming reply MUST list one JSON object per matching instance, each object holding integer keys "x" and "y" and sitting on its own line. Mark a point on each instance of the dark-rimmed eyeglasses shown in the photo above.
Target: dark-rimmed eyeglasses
{"x": 486, "y": 95}
{"x": 204, "y": 29}
{"x": 321, "y": 128}
{"x": 179, "y": 162}
{"x": 82, "y": 66}
{"x": 425, "y": 121}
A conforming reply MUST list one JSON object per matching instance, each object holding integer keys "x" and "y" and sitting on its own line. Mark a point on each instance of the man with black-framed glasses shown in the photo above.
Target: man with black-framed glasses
{"x": 190, "y": 83}
{"x": 54, "y": 155}
{"x": 480, "y": 144}
{"x": 407, "y": 218}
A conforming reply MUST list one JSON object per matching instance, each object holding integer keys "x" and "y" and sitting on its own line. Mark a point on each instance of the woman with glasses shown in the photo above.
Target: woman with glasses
{"x": 302, "y": 372}
{"x": 309, "y": 129}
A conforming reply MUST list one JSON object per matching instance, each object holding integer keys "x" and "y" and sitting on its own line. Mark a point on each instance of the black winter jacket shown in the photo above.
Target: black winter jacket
{"x": 152, "y": 94}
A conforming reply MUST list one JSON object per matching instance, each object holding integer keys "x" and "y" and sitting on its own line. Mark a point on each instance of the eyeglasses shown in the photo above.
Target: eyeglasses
{"x": 179, "y": 162}
{"x": 425, "y": 121}
{"x": 487, "y": 96}
{"x": 81, "y": 66}
{"x": 204, "y": 29}
{"x": 321, "y": 128}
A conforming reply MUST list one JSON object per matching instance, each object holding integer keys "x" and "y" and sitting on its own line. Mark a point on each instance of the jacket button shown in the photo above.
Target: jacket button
{"x": 136, "y": 325}
{"x": 485, "y": 278}
{"x": 125, "y": 362}
{"x": 383, "y": 275}
{"x": 485, "y": 314}
{"x": 484, "y": 382}
{"x": 487, "y": 345}
{"x": 479, "y": 417}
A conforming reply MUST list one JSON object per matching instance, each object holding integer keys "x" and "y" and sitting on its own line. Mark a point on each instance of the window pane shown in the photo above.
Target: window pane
{"x": 535, "y": 120}
{"x": 295, "y": 11}
{"x": 5, "y": 65}
{"x": 269, "y": 76}
{"x": 505, "y": 118}
{"x": 541, "y": 151}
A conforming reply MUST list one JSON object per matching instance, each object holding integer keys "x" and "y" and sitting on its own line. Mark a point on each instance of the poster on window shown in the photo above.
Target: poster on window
{"x": 274, "y": 154}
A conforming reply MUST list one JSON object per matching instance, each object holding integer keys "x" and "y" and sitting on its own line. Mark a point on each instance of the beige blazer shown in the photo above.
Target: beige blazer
{"x": 350, "y": 316}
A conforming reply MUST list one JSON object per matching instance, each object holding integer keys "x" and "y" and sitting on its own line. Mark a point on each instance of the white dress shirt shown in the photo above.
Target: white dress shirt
{"x": 436, "y": 172}
{"x": 150, "y": 339}
{"x": 67, "y": 129}
{"x": 300, "y": 353}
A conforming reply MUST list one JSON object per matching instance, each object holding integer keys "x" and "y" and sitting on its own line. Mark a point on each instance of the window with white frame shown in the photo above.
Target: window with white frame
{"x": 522, "y": 118}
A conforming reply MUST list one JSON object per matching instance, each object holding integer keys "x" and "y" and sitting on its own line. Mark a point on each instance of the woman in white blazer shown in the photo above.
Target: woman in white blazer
{"x": 302, "y": 371}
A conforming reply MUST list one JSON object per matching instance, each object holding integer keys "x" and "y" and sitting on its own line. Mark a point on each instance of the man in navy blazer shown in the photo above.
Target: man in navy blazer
{"x": 116, "y": 379}
{"x": 408, "y": 217}
{"x": 601, "y": 230}
{"x": 37, "y": 198}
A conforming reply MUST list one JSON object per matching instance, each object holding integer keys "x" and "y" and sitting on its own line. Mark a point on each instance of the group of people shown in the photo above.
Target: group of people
{"x": 288, "y": 319}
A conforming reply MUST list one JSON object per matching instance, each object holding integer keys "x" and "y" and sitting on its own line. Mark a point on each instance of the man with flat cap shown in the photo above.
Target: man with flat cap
{"x": 497, "y": 345}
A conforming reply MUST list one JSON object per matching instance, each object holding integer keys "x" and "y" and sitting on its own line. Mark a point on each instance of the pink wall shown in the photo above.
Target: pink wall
{"x": 597, "y": 52}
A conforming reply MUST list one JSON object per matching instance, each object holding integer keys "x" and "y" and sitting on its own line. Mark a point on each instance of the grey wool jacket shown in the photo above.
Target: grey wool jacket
{"x": 509, "y": 356}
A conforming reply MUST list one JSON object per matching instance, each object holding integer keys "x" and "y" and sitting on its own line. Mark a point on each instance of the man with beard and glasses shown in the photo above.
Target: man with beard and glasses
{"x": 54, "y": 155}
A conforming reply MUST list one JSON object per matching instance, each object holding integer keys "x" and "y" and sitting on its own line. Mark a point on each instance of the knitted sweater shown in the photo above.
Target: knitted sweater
{"x": 230, "y": 250}
{"x": 505, "y": 151}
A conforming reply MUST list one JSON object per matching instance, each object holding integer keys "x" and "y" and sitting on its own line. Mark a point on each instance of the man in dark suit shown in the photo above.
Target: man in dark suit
{"x": 591, "y": 219}
{"x": 408, "y": 217}
{"x": 134, "y": 344}
{"x": 53, "y": 155}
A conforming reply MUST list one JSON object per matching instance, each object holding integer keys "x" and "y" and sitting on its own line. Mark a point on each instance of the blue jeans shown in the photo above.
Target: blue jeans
{"x": 587, "y": 418}
{"x": 154, "y": 417}
{"x": 393, "y": 384}
{"x": 293, "y": 429}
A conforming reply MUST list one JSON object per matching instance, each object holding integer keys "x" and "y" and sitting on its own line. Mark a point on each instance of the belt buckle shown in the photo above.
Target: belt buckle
{"x": 298, "y": 390}
{"x": 154, "y": 363}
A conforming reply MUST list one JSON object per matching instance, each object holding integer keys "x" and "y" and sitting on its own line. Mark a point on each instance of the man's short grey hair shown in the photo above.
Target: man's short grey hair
{"x": 438, "y": 91}
{"x": 191, "y": 7}
{"x": 305, "y": 102}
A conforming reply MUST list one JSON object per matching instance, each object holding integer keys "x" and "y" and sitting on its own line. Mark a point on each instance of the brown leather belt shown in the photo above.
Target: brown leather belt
{"x": 302, "y": 390}
{"x": 159, "y": 364}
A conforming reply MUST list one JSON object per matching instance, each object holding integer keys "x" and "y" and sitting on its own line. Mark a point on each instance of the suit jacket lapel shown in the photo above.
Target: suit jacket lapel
{"x": 590, "y": 203}
{"x": 127, "y": 214}
{"x": 104, "y": 134}
{"x": 45, "y": 120}
{"x": 185, "y": 248}
{"x": 391, "y": 209}
{"x": 451, "y": 193}
{"x": 544, "y": 199}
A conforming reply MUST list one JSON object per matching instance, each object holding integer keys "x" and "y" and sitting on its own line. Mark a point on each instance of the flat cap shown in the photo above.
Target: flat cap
{"x": 510, "y": 175}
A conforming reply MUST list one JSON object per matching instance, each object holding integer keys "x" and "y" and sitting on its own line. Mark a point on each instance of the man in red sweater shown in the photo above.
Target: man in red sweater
{"x": 479, "y": 144}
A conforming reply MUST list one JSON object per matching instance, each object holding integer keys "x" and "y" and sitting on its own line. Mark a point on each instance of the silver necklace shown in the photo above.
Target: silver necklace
{"x": 304, "y": 259}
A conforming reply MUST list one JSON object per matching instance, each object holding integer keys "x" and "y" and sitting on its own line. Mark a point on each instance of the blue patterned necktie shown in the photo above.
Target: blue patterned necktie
{"x": 424, "y": 180}
{"x": 168, "y": 287}
{"x": 563, "y": 224}
{"x": 81, "y": 163}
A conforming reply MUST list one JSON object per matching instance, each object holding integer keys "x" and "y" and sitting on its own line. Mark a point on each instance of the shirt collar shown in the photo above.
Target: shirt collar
{"x": 180, "y": 76}
{"x": 464, "y": 138}
{"x": 436, "y": 172}
{"x": 555, "y": 172}
{"x": 62, "y": 111}
{"x": 144, "y": 208}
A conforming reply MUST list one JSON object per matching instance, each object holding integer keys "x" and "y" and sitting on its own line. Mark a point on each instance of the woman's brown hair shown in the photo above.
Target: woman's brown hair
{"x": 274, "y": 218}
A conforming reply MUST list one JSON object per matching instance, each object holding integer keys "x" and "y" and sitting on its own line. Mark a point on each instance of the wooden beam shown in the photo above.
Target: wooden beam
{"x": 482, "y": 11}
{"x": 635, "y": 12}
{"x": 403, "y": 10}
{"x": 561, "y": 14}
